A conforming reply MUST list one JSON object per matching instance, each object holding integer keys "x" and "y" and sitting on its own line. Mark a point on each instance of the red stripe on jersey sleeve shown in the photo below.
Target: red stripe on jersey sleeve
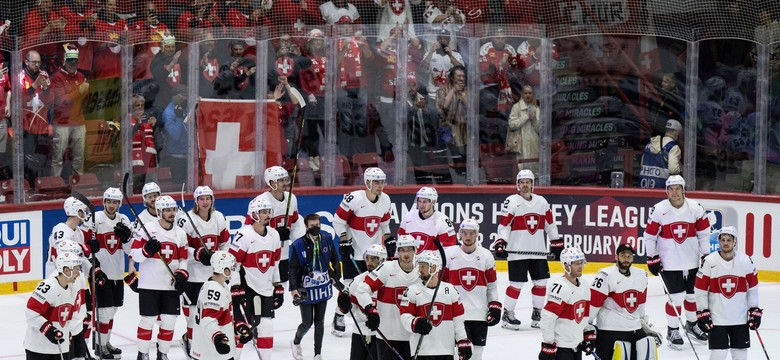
{"x": 752, "y": 280}
{"x": 702, "y": 224}
{"x": 597, "y": 298}
{"x": 457, "y": 309}
{"x": 411, "y": 309}
{"x": 402, "y": 231}
{"x": 374, "y": 284}
{"x": 702, "y": 282}
{"x": 139, "y": 244}
{"x": 447, "y": 239}
{"x": 652, "y": 228}
{"x": 344, "y": 214}
{"x": 239, "y": 254}
{"x": 181, "y": 253}
{"x": 506, "y": 219}
{"x": 224, "y": 236}
{"x": 278, "y": 255}
{"x": 386, "y": 217}
{"x": 193, "y": 242}
{"x": 548, "y": 217}
{"x": 491, "y": 275}
{"x": 40, "y": 307}
{"x": 554, "y": 307}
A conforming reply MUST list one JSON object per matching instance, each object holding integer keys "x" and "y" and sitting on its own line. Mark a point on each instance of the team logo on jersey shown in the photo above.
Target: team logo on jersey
{"x": 284, "y": 66}
{"x": 277, "y": 221}
{"x": 580, "y": 309}
{"x": 210, "y": 70}
{"x": 631, "y": 300}
{"x": 729, "y": 285}
{"x": 371, "y": 224}
{"x": 399, "y": 295}
{"x": 64, "y": 313}
{"x": 436, "y": 314}
{"x": 532, "y": 222}
{"x": 167, "y": 251}
{"x": 210, "y": 241}
{"x": 469, "y": 277}
{"x": 264, "y": 260}
{"x": 423, "y": 241}
{"x": 397, "y": 6}
{"x": 109, "y": 242}
{"x": 677, "y": 231}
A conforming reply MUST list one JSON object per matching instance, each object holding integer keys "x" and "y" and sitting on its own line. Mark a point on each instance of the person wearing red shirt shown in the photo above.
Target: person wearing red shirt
{"x": 143, "y": 151}
{"x": 313, "y": 84}
{"x": 147, "y": 34}
{"x": 82, "y": 19}
{"x": 494, "y": 64}
{"x": 5, "y": 120}
{"x": 107, "y": 62}
{"x": 243, "y": 15}
{"x": 43, "y": 25}
{"x": 69, "y": 88}
{"x": 36, "y": 98}
{"x": 203, "y": 14}
{"x": 294, "y": 17}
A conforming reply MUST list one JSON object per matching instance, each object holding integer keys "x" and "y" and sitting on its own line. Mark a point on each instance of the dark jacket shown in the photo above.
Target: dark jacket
{"x": 300, "y": 266}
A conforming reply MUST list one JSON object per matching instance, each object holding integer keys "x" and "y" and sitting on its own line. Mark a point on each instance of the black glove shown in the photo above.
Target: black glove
{"x": 372, "y": 317}
{"x": 588, "y": 344}
{"x": 54, "y": 335}
{"x": 100, "y": 277}
{"x": 390, "y": 247}
{"x": 123, "y": 232}
{"x": 132, "y": 281}
{"x": 151, "y": 247}
{"x": 346, "y": 250}
{"x": 464, "y": 349}
{"x": 93, "y": 246}
{"x": 344, "y": 302}
{"x": 548, "y": 351}
{"x": 704, "y": 320}
{"x": 499, "y": 247}
{"x": 556, "y": 246}
{"x": 238, "y": 294}
{"x": 180, "y": 283}
{"x": 278, "y": 296}
{"x": 221, "y": 343}
{"x": 202, "y": 256}
{"x": 242, "y": 331}
{"x": 284, "y": 233}
{"x": 654, "y": 265}
{"x": 85, "y": 323}
{"x": 754, "y": 317}
{"x": 421, "y": 325}
{"x": 494, "y": 313}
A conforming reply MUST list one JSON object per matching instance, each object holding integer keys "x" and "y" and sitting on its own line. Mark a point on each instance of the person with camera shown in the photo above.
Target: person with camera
{"x": 311, "y": 280}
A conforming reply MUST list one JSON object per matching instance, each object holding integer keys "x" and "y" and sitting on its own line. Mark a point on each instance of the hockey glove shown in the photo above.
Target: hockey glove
{"x": 556, "y": 247}
{"x": 647, "y": 328}
{"x": 278, "y": 296}
{"x": 86, "y": 323}
{"x": 239, "y": 295}
{"x": 221, "y": 343}
{"x": 344, "y": 302}
{"x": 494, "y": 313}
{"x": 754, "y": 317}
{"x": 100, "y": 277}
{"x": 54, "y": 335}
{"x": 151, "y": 247}
{"x": 346, "y": 250}
{"x": 499, "y": 246}
{"x": 284, "y": 233}
{"x": 132, "y": 281}
{"x": 548, "y": 351}
{"x": 123, "y": 232}
{"x": 93, "y": 246}
{"x": 372, "y": 317}
{"x": 654, "y": 265}
{"x": 180, "y": 280}
{"x": 243, "y": 333}
{"x": 202, "y": 256}
{"x": 390, "y": 247}
{"x": 704, "y": 320}
{"x": 588, "y": 344}
{"x": 421, "y": 325}
{"x": 464, "y": 349}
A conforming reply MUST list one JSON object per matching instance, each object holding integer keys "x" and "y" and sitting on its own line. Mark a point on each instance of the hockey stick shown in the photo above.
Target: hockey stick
{"x": 252, "y": 329}
{"x": 184, "y": 210}
{"x": 530, "y": 253}
{"x": 760, "y": 341}
{"x": 137, "y": 218}
{"x": 92, "y": 285}
{"x": 340, "y": 287}
{"x": 435, "y": 291}
{"x": 294, "y": 93}
{"x": 679, "y": 318}
{"x": 387, "y": 342}
{"x": 59, "y": 348}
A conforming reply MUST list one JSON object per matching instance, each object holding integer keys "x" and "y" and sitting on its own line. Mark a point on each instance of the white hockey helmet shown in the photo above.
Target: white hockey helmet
{"x": 730, "y": 230}
{"x": 274, "y": 173}
{"x": 202, "y": 191}
{"x": 112, "y": 193}
{"x": 221, "y": 260}
{"x": 164, "y": 202}
{"x": 675, "y": 180}
{"x": 571, "y": 254}
{"x": 67, "y": 260}
{"x": 524, "y": 174}
{"x": 469, "y": 224}
{"x": 69, "y": 246}
{"x": 431, "y": 258}
{"x": 257, "y": 204}
{"x": 72, "y": 207}
{"x": 150, "y": 187}
{"x": 427, "y": 192}
{"x": 372, "y": 174}
{"x": 406, "y": 240}
{"x": 376, "y": 250}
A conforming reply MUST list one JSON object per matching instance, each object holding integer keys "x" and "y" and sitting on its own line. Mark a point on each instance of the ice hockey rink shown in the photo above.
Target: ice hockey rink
{"x": 501, "y": 344}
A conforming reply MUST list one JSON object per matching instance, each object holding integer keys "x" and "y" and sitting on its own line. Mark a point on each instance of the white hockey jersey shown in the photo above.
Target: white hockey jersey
{"x": 523, "y": 224}
{"x": 396, "y": 13}
{"x": 173, "y": 251}
{"x": 446, "y": 317}
{"x": 146, "y": 217}
{"x": 278, "y": 209}
{"x": 439, "y": 66}
{"x": 474, "y": 276}
{"x": 215, "y": 237}
{"x": 79, "y": 309}
{"x": 61, "y": 232}
{"x": 259, "y": 255}
{"x": 617, "y": 301}
{"x": 389, "y": 282}
{"x": 679, "y": 236}
{"x": 363, "y": 221}
{"x": 215, "y": 311}
{"x": 727, "y": 288}
{"x": 112, "y": 251}
{"x": 449, "y": 24}
{"x": 437, "y": 226}
{"x": 360, "y": 317}
{"x": 332, "y": 14}
{"x": 565, "y": 313}
{"x": 49, "y": 305}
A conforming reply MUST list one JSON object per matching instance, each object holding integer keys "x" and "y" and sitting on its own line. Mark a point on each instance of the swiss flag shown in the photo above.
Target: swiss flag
{"x": 649, "y": 59}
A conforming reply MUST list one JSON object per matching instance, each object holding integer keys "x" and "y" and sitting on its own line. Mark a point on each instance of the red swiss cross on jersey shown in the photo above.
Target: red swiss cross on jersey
{"x": 64, "y": 313}
{"x": 469, "y": 278}
{"x": 532, "y": 222}
{"x": 631, "y": 300}
{"x": 371, "y": 224}
{"x": 264, "y": 260}
{"x": 109, "y": 242}
{"x": 678, "y": 231}
{"x": 167, "y": 251}
{"x": 580, "y": 309}
{"x": 437, "y": 313}
{"x": 728, "y": 285}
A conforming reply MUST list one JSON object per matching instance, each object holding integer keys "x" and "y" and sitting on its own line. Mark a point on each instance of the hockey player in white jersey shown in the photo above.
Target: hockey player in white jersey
{"x": 471, "y": 269}
{"x": 389, "y": 281}
{"x": 258, "y": 249}
{"x": 617, "y": 307}
{"x": 426, "y": 224}
{"x": 727, "y": 296}
{"x": 206, "y": 234}
{"x": 525, "y": 218}
{"x": 438, "y": 321}
{"x": 150, "y": 192}
{"x": 676, "y": 237}
{"x": 81, "y": 315}
{"x": 361, "y": 220}
{"x": 213, "y": 336}
{"x": 158, "y": 292}
{"x": 49, "y": 311}
{"x": 113, "y": 232}
{"x": 71, "y": 229}
{"x": 565, "y": 329}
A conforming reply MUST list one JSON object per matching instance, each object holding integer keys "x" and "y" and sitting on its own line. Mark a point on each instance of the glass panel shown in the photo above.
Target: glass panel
{"x": 773, "y": 144}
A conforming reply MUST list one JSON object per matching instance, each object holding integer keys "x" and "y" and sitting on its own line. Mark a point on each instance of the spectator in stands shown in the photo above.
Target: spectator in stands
{"x": 669, "y": 104}
{"x": 209, "y": 65}
{"x": 82, "y": 21}
{"x": 107, "y": 62}
{"x": 144, "y": 152}
{"x": 451, "y": 104}
{"x": 147, "y": 34}
{"x": 662, "y": 157}
{"x": 443, "y": 15}
{"x": 438, "y": 61}
{"x": 396, "y": 14}
{"x": 522, "y": 139}
{"x": 422, "y": 136}
{"x": 339, "y": 12}
{"x": 313, "y": 84}
{"x": 244, "y": 15}
{"x": 494, "y": 64}
{"x": 168, "y": 69}
{"x": 69, "y": 88}
{"x": 203, "y": 14}
{"x": 5, "y": 120}
{"x": 173, "y": 128}
{"x": 45, "y": 26}
{"x": 36, "y": 98}
{"x": 243, "y": 67}
{"x": 295, "y": 16}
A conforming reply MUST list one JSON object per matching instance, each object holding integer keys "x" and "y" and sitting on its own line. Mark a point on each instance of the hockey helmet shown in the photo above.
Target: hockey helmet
{"x": 257, "y": 204}
{"x": 275, "y": 173}
{"x": 164, "y": 202}
{"x": 730, "y": 230}
{"x": 524, "y": 174}
{"x": 149, "y": 188}
{"x": 112, "y": 193}
{"x": 675, "y": 180}
{"x": 406, "y": 240}
{"x": 374, "y": 173}
{"x": 72, "y": 207}
{"x": 221, "y": 260}
{"x": 69, "y": 246}
{"x": 202, "y": 191}
{"x": 469, "y": 224}
{"x": 376, "y": 250}
{"x": 427, "y": 192}
{"x": 67, "y": 260}
{"x": 715, "y": 88}
{"x": 431, "y": 258}
{"x": 570, "y": 255}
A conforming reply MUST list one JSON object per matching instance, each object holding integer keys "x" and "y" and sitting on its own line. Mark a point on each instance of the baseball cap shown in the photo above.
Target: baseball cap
{"x": 624, "y": 247}
{"x": 673, "y": 125}
{"x": 344, "y": 20}
{"x": 71, "y": 52}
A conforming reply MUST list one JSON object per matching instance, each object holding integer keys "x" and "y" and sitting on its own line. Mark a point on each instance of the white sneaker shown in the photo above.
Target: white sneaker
{"x": 297, "y": 350}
